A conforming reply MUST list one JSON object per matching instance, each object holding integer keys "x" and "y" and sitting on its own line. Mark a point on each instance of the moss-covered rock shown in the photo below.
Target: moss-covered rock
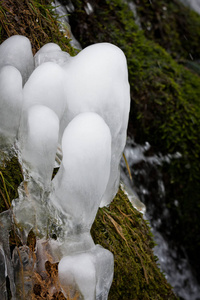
{"x": 172, "y": 25}
{"x": 122, "y": 230}
{"x": 119, "y": 228}
{"x": 10, "y": 178}
{"x": 34, "y": 19}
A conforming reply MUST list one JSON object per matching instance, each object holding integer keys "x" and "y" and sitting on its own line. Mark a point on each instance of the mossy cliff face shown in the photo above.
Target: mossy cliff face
{"x": 172, "y": 25}
{"x": 120, "y": 227}
{"x": 165, "y": 108}
{"x": 33, "y": 19}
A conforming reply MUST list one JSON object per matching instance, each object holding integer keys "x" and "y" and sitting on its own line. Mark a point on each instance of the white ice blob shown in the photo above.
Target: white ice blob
{"x": 90, "y": 272}
{"x": 82, "y": 179}
{"x": 51, "y": 52}
{"x": 104, "y": 265}
{"x": 97, "y": 80}
{"x": 17, "y": 51}
{"x": 38, "y": 142}
{"x": 78, "y": 271}
{"x": 45, "y": 87}
{"x": 10, "y": 102}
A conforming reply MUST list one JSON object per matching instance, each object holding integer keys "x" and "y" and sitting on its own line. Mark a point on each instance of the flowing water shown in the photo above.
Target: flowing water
{"x": 148, "y": 186}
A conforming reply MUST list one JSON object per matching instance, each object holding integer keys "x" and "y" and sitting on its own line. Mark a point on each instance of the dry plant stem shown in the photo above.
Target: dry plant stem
{"x": 5, "y": 189}
{"x": 128, "y": 168}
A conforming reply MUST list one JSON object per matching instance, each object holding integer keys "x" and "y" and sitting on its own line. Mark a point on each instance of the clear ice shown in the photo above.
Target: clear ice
{"x": 50, "y": 52}
{"x": 72, "y": 110}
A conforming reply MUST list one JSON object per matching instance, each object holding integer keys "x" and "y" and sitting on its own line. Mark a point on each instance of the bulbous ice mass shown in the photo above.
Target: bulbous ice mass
{"x": 45, "y": 87}
{"x": 38, "y": 142}
{"x": 10, "y": 101}
{"x": 81, "y": 181}
{"x": 90, "y": 271}
{"x": 77, "y": 271}
{"x": 17, "y": 51}
{"x": 97, "y": 80}
{"x": 51, "y": 52}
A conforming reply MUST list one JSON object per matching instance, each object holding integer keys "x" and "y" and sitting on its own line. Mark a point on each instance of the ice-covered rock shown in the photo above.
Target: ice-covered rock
{"x": 10, "y": 103}
{"x": 16, "y": 51}
{"x": 38, "y": 142}
{"x": 81, "y": 181}
{"x": 51, "y": 52}
{"x": 97, "y": 80}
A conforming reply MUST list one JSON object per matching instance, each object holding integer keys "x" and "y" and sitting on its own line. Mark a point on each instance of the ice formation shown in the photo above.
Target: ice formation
{"x": 97, "y": 80}
{"x": 16, "y": 51}
{"x": 51, "y": 52}
{"x": 45, "y": 87}
{"x": 83, "y": 102}
{"x": 38, "y": 142}
{"x": 80, "y": 183}
{"x": 10, "y": 102}
{"x": 90, "y": 271}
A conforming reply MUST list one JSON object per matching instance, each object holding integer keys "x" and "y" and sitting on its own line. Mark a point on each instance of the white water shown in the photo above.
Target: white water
{"x": 174, "y": 264}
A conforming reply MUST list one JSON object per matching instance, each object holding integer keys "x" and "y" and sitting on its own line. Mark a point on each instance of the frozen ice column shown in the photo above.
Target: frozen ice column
{"x": 39, "y": 132}
{"x": 81, "y": 181}
{"x": 10, "y": 103}
{"x": 78, "y": 188}
{"x": 97, "y": 80}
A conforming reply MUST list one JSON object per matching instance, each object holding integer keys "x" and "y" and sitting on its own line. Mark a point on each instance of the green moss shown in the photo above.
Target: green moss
{"x": 122, "y": 229}
{"x": 10, "y": 178}
{"x": 34, "y": 19}
{"x": 172, "y": 25}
